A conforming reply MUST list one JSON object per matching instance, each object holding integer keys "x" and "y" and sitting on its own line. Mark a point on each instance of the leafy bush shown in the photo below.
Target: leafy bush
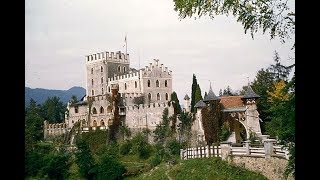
{"x": 125, "y": 147}
{"x": 174, "y": 147}
{"x": 141, "y": 146}
{"x": 109, "y": 168}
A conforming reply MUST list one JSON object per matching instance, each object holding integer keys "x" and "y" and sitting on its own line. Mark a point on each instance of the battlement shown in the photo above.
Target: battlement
{"x": 118, "y": 57}
{"x": 125, "y": 76}
{"x": 54, "y": 129}
{"x": 155, "y": 64}
{"x": 148, "y": 106}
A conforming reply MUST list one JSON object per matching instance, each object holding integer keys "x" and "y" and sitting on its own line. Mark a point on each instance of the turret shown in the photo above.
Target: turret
{"x": 186, "y": 103}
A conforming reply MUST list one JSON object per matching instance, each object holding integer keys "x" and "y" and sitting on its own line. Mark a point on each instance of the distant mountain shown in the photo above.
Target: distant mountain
{"x": 40, "y": 95}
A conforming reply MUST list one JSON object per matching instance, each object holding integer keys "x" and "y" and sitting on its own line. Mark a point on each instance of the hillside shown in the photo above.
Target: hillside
{"x": 207, "y": 168}
{"x": 40, "y": 95}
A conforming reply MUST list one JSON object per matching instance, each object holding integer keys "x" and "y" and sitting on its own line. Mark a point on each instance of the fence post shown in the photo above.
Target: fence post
{"x": 225, "y": 150}
{"x": 181, "y": 154}
{"x": 268, "y": 147}
{"x": 207, "y": 152}
{"x": 247, "y": 145}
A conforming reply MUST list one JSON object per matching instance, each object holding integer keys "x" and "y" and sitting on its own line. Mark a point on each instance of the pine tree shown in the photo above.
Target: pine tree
{"x": 198, "y": 95}
{"x": 193, "y": 91}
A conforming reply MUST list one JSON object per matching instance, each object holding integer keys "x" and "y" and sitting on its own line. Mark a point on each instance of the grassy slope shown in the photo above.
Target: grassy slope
{"x": 212, "y": 168}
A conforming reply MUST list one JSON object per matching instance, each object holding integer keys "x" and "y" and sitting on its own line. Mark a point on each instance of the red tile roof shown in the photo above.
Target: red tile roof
{"x": 231, "y": 101}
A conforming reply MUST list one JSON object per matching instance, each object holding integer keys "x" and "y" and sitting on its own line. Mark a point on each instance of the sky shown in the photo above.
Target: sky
{"x": 59, "y": 34}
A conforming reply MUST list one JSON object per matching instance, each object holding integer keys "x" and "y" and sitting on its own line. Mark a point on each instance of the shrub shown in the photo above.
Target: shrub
{"x": 125, "y": 147}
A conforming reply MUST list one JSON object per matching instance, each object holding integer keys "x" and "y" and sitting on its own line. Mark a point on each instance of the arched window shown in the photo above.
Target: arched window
{"x": 166, "y": 83}
{"x": 95, "y": 123}
{"x": 101, "y": 110}
{"x": 101, "y": 69}
{"x": 76, "y": 110}
{"x": 92, "y": 82}
{"x": 149, "y": 97}
{"x": 101, "y": 80}
{"x": 101, "y": 122}
{"x": 148, "y": 83}
{"x": 166, "y": 96}
{"x": 94, "y": 110}
{"x": 101, "y": 90}
{"x": 119, "y": 69}
{"x": 91, "y": 70}
{"x": 157, "y": 83}
{"x": 92, "y": 92}
{"x": 124, "y": 69}
{"x": 158, "y": 96}
{"x": 125, "y": 86}
{"x": 109, "y": 88}
{"x": 109, "y": 109}
{"x": 135, "y": 84}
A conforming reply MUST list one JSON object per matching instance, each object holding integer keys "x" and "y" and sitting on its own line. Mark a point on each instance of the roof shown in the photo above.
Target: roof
{"x": 186, "y": 97}
{"x": 250, "y": 93}
{"x": 200, "y": 104}
{"x": 210, "y": 96}
{"x": 79, "y": 103}
{"x": 231, "y": 101}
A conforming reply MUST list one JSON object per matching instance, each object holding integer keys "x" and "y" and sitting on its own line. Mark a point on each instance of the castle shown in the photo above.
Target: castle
{"x": 144, "y": 94}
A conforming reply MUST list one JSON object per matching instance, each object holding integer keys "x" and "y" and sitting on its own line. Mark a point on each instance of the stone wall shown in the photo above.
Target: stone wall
{"x": 273, "y": 167}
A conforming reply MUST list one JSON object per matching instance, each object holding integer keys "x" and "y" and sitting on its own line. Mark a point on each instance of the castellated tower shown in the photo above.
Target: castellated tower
{"x": 100, "y": 67}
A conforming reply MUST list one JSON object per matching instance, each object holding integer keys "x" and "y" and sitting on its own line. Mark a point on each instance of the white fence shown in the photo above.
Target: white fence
{"x": 225, "y": 149}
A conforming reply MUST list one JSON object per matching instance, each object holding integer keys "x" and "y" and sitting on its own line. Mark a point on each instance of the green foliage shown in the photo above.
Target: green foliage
{"x": 212, "y": 121}
{"x": 265, "y": 15}
{"x": 206, "y": 168}
{"x": 53, "y": 110}
{"x": 57, "y": 165}
{"x": 33, "y": 125}
{"x": 95, "y": 139}
{"x": 155, "y": 160}
{"x": 225, "y": 133}
{"x": 162, "y": 130}
{"x": 253, "y": 138}
{"x": 125, "y": 147}
{"x": 198, "y": 95}
{"x": 175, "y": 102}
{"x": 141, "y": 146}
{"x": 111, "y": 150}
{"x": 109, "y": 167}
{"x": 193, "y": 92}
{"x": 184, "y": 128}
{"x": 84, "y": 158}
{"x": 174, "y": 147}
{"x": 74, "y": 99}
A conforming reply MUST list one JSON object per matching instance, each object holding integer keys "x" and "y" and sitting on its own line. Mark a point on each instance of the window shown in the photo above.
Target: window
{"x": 158, "y": 96}
{"x": 92, "y": 92}
{"x": 101, "y": 122}
{"x": 149, "y": 97}
{"x": 119, "y": 69}
{"x": 101, "y": 90}
{"x": 135, "y": 84}
{"x": 92, "y": 82}
{"x": 157, "y": 83}
{"x": 91, "y": 70}
{"x": 124, "y": 69}
{"x": 94, "y": 110}
{"x": 109, "y": 89}
{"x": 101, "y": 80}
{"x": 109, "y": 109}
{"x": 76, "y": 110}
{"x": 166, "y": 96}
{"x": 148, "y": 83}
{"x": 94, "y": 123}
{"x": 101, "y": 110}
{"x": 166, "y": 83}
{"x": 101, "y": 69}
{"x": 125, "y": 86}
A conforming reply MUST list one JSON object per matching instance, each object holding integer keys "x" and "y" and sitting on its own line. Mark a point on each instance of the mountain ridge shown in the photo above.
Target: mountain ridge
{"x": 40, "y": 95}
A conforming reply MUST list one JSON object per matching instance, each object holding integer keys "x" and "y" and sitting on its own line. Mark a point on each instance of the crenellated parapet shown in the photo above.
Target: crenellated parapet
{"x": 54, "y": 129}
{"x": 156, "y": 66}
{"x": 151, "y": 106}
{"x": 117, "y": 57}
{"x": 125, "y": 76}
